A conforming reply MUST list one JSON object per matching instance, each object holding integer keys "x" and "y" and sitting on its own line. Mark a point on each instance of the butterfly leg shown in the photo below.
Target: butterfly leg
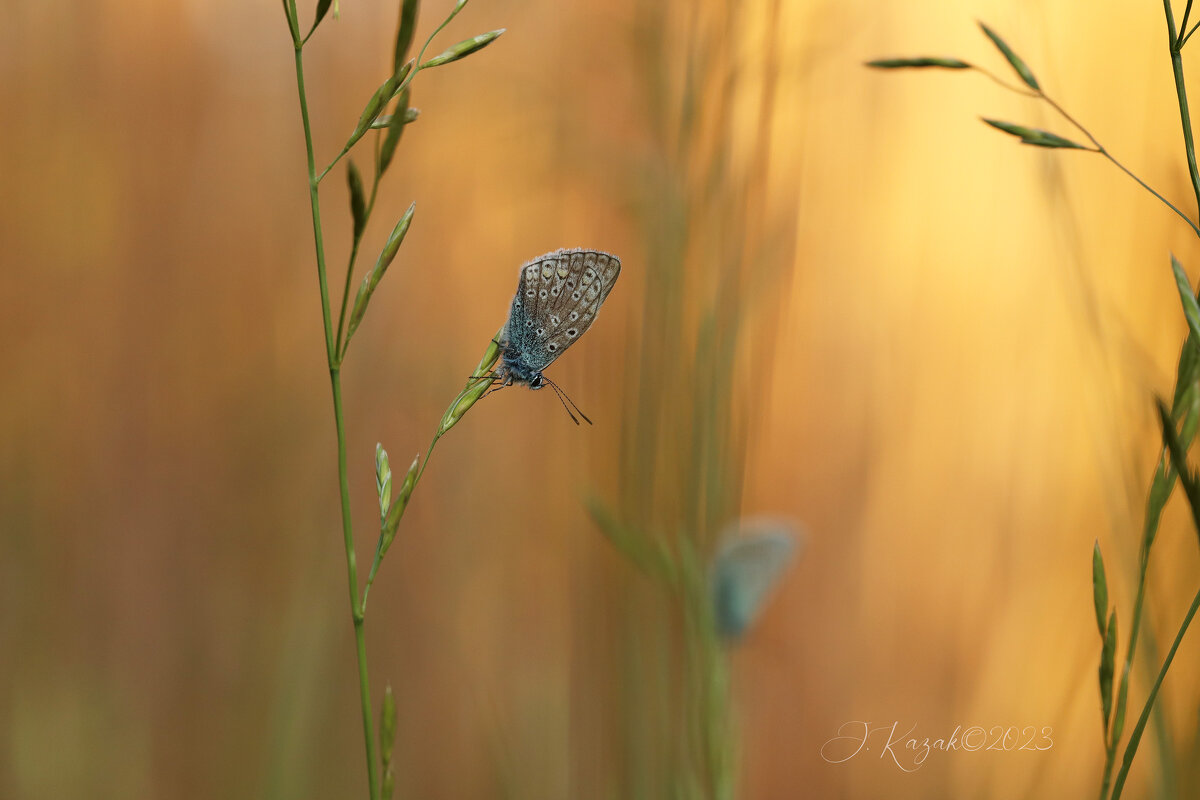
{"x": 497, "y": 384}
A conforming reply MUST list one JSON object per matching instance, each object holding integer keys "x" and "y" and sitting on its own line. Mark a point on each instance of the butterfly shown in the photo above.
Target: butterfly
{"x": 558, "y": 297}
{"x": 746, "y": 570}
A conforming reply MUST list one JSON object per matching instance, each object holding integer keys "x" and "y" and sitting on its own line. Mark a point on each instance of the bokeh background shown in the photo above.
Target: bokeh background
{"x": 844, "y": 301}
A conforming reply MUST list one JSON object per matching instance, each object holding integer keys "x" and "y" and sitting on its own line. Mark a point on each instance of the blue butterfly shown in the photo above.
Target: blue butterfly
{"x": 558, "y": 297}
{"x": 746, "y": 571}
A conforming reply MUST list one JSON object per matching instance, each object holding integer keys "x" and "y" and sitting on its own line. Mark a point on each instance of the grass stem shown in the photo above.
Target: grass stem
{"x": 1136, "y": 736}
{"x": 343, "y": 478}
{"x": 1181, "y": 95}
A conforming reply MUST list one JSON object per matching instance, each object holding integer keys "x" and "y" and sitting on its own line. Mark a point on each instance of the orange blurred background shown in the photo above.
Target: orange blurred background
{"x": 945, "y": 348}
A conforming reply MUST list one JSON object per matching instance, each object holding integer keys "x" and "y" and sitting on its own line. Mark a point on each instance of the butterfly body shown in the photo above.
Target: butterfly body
{"x": 513, "y": 369}
{"x": 558, "y": 297}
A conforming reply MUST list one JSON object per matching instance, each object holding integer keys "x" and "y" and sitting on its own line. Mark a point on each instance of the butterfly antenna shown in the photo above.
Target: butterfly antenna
{"x": 561, "y": 395}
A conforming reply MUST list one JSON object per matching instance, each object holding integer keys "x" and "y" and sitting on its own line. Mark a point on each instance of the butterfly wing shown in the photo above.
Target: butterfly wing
{"x": 745, "y": 573}
{"x": 558, "y": 297}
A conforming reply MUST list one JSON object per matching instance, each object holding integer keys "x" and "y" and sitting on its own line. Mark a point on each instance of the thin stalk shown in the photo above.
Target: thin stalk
{"x": 1005, "y": 84}
{"x": 336, "y": 385}
{"x": 699, "y": 762}
{"x": 1144, "y": 185}
{"x": 478, "y": 386}
{"x": 315, "y": 203}
{"x": 356, "y": 609}
{"x": 1189, "y": 142}
{"x": 1136, "y": 735}
{"x": 1184, "y": 39}
{"x": 1102, "y": 150}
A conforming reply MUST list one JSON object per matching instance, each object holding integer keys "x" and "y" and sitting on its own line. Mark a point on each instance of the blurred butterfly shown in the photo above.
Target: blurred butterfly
{"x": 746, "y": 571}
{"x": 558, "y": 297}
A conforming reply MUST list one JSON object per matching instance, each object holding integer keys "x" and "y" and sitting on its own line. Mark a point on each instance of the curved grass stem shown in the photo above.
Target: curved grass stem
{"x": 1102, "y": 150}
{"x": 1003, "y": 83}
{"x": 1146, "y": 186}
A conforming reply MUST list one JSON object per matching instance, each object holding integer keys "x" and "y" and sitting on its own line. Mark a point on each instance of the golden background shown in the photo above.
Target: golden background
{"x": 946, "y": 350}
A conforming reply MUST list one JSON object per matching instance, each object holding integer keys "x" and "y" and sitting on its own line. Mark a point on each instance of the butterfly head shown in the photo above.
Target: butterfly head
{"x": 513, "y": 369}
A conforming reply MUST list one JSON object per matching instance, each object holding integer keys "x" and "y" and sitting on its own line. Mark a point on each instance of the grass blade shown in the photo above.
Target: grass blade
{"x": 405, "y": 29}
{"x": 918, "y": 62}
{"x": 322, "y": 10}
{"x": 384, "y": 120}
{"x": 383, "y": 481}
{"x": 1179, "y": 459}
{"x": 392, "y": 522}
{"x": 395, "y": 129}
{"x": 1017, "y": 64}
{"x": 647, "y": 553}
{"x": 1108, "y": 659}
{"x": 1099, "y": 589}
{"x": 367, "y": 288}
{"x": 1186, "y": 296}
{"x": 358, "y": 203}
{"x": 1034, "y": 136}
{"x": 463, "y": 49}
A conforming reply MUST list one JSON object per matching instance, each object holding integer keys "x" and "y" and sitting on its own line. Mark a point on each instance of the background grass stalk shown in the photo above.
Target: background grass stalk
{"x": 1189, "y": 143}
{"x": 720, "y": 244}
{"x": 1136, "y": 735}
{"x": 1175, "y": 46}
